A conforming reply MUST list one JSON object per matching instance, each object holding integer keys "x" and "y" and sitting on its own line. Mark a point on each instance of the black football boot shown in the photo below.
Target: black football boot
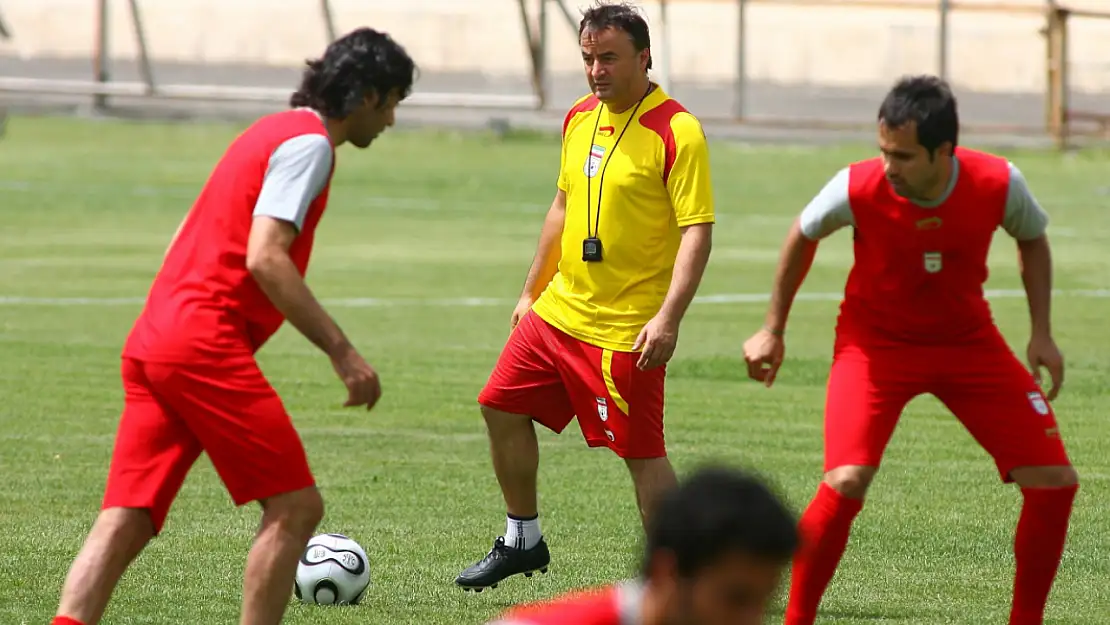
{"x": 503, "y": 561}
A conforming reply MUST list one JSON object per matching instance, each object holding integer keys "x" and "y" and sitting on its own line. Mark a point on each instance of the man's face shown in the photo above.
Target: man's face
{"x": 735, "y": 590}
{"x": 369, "y": 120}
{"x": 909, "y": 169}
{"x": 612, "y": 64}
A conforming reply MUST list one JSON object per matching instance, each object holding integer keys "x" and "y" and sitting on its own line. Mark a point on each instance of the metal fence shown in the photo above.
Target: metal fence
{"x": 539, "y": 20}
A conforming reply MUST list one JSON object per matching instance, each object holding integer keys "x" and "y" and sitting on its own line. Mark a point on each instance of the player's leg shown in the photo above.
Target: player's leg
{"x": 288, "y": 522}
{"x": 865, "y": 396}
{"x": 998, "y": 401}
{"x": 621, "y": 407}
{"x": 152, "y": 455}
{"x": 250, "y": 438}
{"x": 524, "y": 387}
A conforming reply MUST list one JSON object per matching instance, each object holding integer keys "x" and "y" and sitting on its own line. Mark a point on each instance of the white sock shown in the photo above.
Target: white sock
{"x": 522, "y": 533}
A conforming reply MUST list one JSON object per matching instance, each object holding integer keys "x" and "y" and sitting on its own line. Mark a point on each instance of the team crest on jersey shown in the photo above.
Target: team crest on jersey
{"x": 602, "y": 409}
{"x": 933, "y": 262}
{"x": 1037, "y": 401}
{"x": 593, "y": 163}
{"x": 929, "y": 223}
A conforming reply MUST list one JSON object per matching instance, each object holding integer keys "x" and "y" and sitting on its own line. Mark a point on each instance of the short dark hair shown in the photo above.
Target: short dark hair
{"x": 718, "y": 511}
{"x": 928, "y": 101}
{"x": 621, "y": 16}
{"x": 360, "y": 62}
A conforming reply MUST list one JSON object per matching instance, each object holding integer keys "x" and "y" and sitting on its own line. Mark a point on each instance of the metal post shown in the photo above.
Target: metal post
{"x": 329, "y": 20}
{"x": 1063, "y": 88}
{"x": 942, "y": 38}
{"x": 573, "y": 23}
{"x": 739, "y": 107}
{"x": 662, "y": 62}
{"x": 5, "y": 32}
{"x": 532, "y": 41}
{"x": 541, "y": 58}
{"x": 101, "y": 53}
{"x": 140, "y": 40}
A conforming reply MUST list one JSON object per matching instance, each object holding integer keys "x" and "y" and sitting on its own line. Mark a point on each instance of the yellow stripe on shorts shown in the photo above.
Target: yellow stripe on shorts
{"x": 607, "y": 373}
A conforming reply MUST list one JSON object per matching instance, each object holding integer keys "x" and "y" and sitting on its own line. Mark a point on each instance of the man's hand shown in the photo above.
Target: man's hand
{"x": 1042, "y": 352}
{"x": 363, "y": 386}
{"x": 522, "y": 308}
{"x": 764, "y": 353}
{"x": 658, "y": 340}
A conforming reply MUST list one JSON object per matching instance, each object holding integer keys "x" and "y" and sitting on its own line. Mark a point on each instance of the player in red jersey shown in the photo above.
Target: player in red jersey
{"x": 914, "y": 320}
{"x": 233, "y": 273}
{"x": 717, "y": 546}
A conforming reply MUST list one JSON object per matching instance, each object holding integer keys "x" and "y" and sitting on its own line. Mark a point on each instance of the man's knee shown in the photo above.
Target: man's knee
{"x": 499, "y": 422}
{"x": 126, "y": 529}
{"x": 851, "y": 481}
{"x": 298, "y": 512}
{"x": 1060, "y": 476}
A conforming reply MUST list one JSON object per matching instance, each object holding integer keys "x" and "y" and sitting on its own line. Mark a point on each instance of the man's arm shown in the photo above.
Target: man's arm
{"x": 548, "y": 250}
{"x": 297, "y": 171}
{"x": 690, "y": 186}
{"x": 269, "y": 262}
{"x": 826, "y": 213}
{"x": 689, "y": 267}
{"x": 1027, "y": 223}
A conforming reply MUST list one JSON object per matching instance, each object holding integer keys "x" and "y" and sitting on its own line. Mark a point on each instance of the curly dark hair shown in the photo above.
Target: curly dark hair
{"x": 623, "y": 16}
{"x": 360, "y": 62}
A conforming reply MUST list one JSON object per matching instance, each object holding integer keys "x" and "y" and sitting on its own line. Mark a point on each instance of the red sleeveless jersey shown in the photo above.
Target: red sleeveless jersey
{"x": 204, "y": 304}
{"x": 612, "y": 605}
{"x": 919, "y": 272}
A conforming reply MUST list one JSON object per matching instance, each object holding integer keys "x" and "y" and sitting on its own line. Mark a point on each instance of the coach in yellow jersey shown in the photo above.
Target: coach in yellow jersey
{"x": 619, "y": 259}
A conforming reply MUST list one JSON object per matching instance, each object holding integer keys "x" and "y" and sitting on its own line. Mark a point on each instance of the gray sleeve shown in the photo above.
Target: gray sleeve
{"x": 297, "y": 172}
{"x": 830, "y": 210}
{"x": 1024, "y": 218}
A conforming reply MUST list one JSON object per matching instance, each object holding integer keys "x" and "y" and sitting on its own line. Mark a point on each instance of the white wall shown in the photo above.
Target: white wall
{"x": 791, "y": 44}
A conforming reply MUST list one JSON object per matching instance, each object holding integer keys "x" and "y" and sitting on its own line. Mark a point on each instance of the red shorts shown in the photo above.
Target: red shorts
{"x": 173, "y": 412}
{"x": 551, "y": 376}
{"x": 984, "y": 385}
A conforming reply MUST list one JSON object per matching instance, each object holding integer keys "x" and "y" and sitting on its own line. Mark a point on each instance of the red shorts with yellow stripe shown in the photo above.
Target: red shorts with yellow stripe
{"x": 553, "y": 377}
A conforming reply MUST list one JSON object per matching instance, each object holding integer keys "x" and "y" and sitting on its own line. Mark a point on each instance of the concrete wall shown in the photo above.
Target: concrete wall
{"x": 787, "y": 44}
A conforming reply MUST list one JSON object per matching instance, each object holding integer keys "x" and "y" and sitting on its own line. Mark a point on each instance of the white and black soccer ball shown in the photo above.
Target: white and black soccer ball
{"x": 333, "y": 570}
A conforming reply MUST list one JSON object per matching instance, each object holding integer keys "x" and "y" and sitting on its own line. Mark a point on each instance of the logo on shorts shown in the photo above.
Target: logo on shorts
{"x": 593, "y": 163}
{"x": 1037, "y": 401}
{"x": 602, "y": 409}
{"x": 932, "y": 262}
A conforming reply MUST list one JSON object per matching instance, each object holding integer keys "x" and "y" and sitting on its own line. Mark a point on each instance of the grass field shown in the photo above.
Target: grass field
{"x": 416, "y": 225}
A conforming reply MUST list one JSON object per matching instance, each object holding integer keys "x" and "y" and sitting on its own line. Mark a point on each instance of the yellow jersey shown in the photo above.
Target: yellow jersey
{"x": 651, "y": 185}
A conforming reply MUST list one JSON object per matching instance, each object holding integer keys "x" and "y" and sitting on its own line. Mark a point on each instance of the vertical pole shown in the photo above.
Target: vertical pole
{"x": 329, "y": 20}
{"x": 1049, "y": 66}
{"x": 1062, "y": 89}
{"x": 945, "y": 9}
{"x": 5, "y": 32}
{"x": 101, "y": 53}
{"x": 662, "y": 62}
{"x": 571, "y": 21}
{"x": 140, "y": 40}
{"x": 739, "y": 107}
{"x": 541, "y": 58}
{"x": 531, "y": 40}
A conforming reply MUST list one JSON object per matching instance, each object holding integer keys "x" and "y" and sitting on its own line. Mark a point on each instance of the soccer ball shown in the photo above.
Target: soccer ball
{"x": 333, "y": 570}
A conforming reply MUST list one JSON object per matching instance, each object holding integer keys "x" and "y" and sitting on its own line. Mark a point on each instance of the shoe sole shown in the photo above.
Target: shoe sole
{"x": 478, "y": 588}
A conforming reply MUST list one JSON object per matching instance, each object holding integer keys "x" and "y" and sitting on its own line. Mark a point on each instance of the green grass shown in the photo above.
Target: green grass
{"x": 89, "y": 207}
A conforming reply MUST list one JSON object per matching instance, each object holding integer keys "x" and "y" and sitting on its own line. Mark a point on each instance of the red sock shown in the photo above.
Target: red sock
{"x": 824, "y": 527}
{"x": 65, "y": 620}
{"x": 1038, "y": 547}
